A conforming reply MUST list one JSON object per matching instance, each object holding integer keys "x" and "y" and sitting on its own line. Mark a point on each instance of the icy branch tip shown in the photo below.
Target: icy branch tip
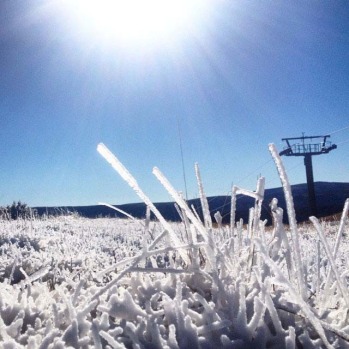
{"x": 155, "y": 170}
{"x": 105, "y": 152}
{"x": 100, "y": 145}
{"x": 101, "y": 148}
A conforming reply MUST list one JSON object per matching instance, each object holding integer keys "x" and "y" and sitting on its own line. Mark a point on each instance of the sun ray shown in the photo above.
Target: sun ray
{"x": 137, "y": 20}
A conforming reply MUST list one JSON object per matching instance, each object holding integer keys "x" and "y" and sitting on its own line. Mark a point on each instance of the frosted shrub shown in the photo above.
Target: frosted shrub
{"x": 112, "y": 283}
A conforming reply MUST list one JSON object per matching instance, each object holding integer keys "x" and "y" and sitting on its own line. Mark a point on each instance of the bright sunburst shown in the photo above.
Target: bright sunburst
{"x": 143, "y": 20}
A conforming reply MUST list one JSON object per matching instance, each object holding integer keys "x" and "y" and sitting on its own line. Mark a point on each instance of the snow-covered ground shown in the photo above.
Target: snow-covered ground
{"x": 70, "y": 281}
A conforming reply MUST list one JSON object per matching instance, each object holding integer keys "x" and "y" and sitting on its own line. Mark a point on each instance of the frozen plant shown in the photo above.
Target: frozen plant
{"x": 128, "y": 283}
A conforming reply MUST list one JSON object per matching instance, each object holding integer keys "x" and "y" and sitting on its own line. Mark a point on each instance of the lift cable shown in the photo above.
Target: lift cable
{"x": 341, "y": 129}
{"x": 343, "y": 142}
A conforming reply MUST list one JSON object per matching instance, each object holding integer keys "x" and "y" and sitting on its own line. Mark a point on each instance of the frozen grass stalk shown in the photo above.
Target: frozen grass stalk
{"x": 203, "y": 199}
{"x": 292, "y": 219}
{"x": 343, "y": 289}
{"x": 338, "y": 240}
{"x": 210, "y": 247}
{"x": 123, "y": 172}
{"x": 233, "y": 209}
{"x": 258, "y": 203}
{"x": 341, "y": 227}
{"x": 117, "y": 209}
{"x": 280, "y": 279}
{"x": 180, "y": 201}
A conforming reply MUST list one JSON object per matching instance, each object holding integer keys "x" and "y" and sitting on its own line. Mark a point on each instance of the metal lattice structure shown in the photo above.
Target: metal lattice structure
{"x": 304, "y": 146}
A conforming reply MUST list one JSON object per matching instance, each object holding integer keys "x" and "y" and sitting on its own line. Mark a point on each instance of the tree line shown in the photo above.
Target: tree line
{"x": 18, "y": 210}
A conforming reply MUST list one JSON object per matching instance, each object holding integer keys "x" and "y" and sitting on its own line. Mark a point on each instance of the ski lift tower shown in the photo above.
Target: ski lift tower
{"x": 304, "y": 146}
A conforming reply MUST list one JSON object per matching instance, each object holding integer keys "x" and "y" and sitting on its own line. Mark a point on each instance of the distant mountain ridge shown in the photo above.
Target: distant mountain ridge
{"x": 330, "y": 198}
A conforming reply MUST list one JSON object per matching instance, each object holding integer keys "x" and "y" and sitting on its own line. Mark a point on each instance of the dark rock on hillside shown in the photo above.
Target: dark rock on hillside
{"x": 330, "y": 198}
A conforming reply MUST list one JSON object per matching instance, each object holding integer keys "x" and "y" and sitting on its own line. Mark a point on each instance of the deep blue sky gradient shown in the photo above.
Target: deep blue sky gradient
{"x": 247, "y": 74}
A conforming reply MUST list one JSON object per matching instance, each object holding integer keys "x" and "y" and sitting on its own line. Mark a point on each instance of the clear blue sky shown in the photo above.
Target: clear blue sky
{"x": 246, "y": 73}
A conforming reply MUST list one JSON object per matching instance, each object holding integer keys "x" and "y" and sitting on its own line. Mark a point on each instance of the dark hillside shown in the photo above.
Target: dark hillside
{"x": 330, "y": 199}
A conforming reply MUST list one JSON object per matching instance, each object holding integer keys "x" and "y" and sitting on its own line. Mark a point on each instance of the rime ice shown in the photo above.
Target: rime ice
{"x": 113, "y": 283}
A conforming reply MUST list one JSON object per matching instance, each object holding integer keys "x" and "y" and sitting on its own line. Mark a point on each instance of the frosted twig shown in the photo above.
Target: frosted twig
{"x": 3, "y": 332}
{"x": 147, "y": 221}
{"x": 48, "y": 339}
{"x": 290, "y": 340}
{"x": 38, "y": 274}
{"x": 15, "y": 262}
{"x": 149, "y": 253}
{"x": 214, "y": 326}
{"x": 160, "y": 270}
{"x": 258, "y": 203}
{"x": 203, "y": 199}
{"x": 117, "y": 209}
{"x": 195, "y": 212}
{"x": 250, "y": 222}
{"x": 157, "y": 239}
{"x": 266, "y": 297}
{"x": 341, "y": 287}
{"x": 338, "y": 239}
{"x": 116, "y": 280}
{"x": 111, "y": 341}
{"x": 318, "y": 267}
{"x": 233, "y": 209}
{"x": 24, "y": 274}
{"x": 252, "y": 194}
{"x": 180, "y": 214}
{"x": 324, "y": 324}
{"x": 304, "y": 307}
{"x": 341, "y": 227}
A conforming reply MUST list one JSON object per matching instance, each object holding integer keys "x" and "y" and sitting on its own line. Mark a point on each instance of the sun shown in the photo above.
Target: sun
{"x": 139, "y": 20}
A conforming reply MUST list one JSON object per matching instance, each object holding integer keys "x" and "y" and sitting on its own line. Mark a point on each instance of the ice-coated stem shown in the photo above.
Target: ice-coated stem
{"x": 258, "y": 203}
{"x": 250, "y": 222}
{"x": 336, "y": 247}
{"x": 180, "y": 201}
{"x": 258, "y": 195}
{"x": 281, "y": 280}
{"x": 203, "y": 199}
{"x": 291, "y": 218}
{"x": 233, "y": 209}
{"x": 149, "y": 253}
{"x": 117, "y": 209}
{"x": 342, "y": 288}
{"x": 127, "y": 176}
{"x": 318, "y": 267}
{"x": 341, "y": 227}
{"x": 338, "y": 240}
{"x": 211, "y": 246}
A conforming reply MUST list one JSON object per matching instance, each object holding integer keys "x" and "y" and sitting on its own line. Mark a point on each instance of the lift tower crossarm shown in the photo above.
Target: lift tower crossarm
{"x": 302, "y": 148}
{"x": 308, "y": 150}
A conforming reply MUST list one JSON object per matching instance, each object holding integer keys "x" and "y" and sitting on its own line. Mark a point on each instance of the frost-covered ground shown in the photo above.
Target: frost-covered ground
{"x": 113, "y": 283}
{"x": 83, "y": 283}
